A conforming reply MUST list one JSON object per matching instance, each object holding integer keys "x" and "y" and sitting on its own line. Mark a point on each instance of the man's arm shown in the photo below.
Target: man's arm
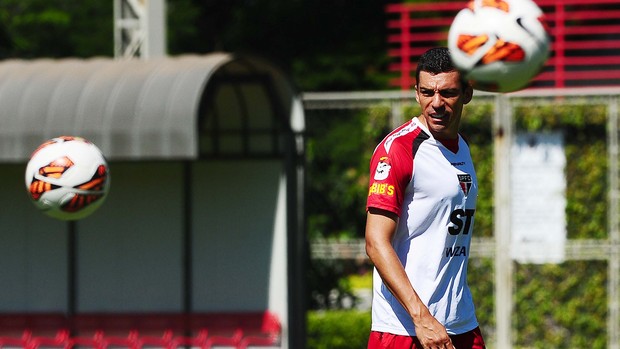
{"x": 380, "y": 228}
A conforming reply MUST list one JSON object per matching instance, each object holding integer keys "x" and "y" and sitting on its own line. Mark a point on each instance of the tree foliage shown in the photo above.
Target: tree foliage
{"x": 338, "y": 154}
{"x": 323, "y": 45}
{"x": 55, "y": 28}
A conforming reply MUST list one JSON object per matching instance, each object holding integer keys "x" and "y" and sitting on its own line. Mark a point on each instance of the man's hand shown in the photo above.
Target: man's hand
{"x": 431, "y": 333}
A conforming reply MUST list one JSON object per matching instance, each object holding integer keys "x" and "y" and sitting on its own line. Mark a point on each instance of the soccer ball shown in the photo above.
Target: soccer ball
{"x": 499, "y": 45}
{"x": 67, "y": 178}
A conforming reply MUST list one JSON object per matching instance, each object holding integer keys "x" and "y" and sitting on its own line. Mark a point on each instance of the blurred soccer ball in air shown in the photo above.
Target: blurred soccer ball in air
{"x": 500, "y": 45}
{"x": 67, "y": 178}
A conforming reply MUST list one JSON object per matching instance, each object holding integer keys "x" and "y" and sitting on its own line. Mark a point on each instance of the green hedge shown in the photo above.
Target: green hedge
{"x": 342, "y": 329}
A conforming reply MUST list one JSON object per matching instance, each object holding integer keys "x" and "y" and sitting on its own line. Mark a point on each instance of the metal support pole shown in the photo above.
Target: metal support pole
{"x": 502, "y": 127}
{"x": 396, "y": 115}
{"x": 139, "y": 28}
{"x": 613, "y": 286}
{"x": 72, "y": 269}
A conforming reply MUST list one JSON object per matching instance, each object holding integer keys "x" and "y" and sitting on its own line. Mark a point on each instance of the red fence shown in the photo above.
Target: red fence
{"x": 139, "y": 331}
{"x": 585, "y": 35}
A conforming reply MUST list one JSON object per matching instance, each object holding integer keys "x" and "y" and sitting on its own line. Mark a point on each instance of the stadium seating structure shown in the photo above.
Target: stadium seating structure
{"x": 139, "y": 331}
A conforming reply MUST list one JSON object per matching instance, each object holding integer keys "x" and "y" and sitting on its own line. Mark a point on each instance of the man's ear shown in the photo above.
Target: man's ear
{"x": 468, "y": 94}
{"x": 417, "y": 97}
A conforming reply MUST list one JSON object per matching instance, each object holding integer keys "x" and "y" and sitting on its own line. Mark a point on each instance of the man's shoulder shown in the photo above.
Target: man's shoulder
{"x": 405, "y": 134}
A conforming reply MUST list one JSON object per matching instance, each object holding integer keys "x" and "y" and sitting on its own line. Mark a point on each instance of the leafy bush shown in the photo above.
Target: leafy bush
{"x": 338, "y": 329}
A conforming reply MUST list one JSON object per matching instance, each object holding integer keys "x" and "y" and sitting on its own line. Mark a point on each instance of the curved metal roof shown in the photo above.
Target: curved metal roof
{"x": 132, "y": 109}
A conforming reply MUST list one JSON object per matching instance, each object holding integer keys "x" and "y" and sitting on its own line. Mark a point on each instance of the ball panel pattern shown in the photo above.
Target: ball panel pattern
{"x": 67, "y": 177}
{"x": 499, "y": 45}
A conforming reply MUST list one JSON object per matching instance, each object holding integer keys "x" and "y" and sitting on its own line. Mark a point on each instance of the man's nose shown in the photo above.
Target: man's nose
{"x": 438, "y": 101}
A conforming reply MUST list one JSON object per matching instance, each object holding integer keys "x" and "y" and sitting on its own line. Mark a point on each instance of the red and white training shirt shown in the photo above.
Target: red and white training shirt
{"x": 433, "y": 190}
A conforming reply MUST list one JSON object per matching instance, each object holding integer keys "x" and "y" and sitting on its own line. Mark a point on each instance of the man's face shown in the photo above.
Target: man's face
{"x": 441, "y": 98}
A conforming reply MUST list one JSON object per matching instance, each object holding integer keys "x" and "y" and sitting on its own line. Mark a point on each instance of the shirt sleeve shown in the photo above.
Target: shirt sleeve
{"x": 390, "y": 173}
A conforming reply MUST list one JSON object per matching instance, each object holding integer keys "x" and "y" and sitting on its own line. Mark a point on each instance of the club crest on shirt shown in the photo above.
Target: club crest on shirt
{"x": 465, "y": 182}
{"x": 383, "y": 168}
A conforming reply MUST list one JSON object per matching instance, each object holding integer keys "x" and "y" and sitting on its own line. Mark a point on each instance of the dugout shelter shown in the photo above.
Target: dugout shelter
{"x": 205, "y": 211}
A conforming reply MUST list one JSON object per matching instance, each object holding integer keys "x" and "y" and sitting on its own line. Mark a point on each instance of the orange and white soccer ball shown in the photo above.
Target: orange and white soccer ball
{"x": 67, "y": 178}
{"x": 500, "y": 45}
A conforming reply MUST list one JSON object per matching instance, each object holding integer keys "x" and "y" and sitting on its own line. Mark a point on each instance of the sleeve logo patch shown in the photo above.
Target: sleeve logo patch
{"x": 383, "y": 169}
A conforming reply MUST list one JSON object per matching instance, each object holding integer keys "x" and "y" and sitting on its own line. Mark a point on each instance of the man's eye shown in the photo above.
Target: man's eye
{"x": 428, "y": 93}
{"x": 449, "y": 93}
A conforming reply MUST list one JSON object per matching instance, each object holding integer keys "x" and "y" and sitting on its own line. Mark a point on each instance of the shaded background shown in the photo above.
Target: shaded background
{"x": 323, "y": 45}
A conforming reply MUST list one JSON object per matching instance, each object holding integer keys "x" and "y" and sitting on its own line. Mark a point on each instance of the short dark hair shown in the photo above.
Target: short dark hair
{"x": 437, "y": 60}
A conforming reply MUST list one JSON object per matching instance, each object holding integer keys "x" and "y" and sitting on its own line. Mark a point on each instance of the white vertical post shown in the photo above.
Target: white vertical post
{"x": 156, "y": 29}
{"x": 139, "y": 28}
{"x": 396, "y": 116}
{"x": 502, "y": 128}
{"x": 613, "y": 283}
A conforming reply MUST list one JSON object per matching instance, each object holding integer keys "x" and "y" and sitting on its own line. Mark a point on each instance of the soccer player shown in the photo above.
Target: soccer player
{"x": 420, "y": 215}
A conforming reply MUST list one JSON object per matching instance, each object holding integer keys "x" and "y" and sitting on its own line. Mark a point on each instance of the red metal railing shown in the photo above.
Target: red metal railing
{"x": 139, "y": 331}
{"x": 585, "y": 36}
